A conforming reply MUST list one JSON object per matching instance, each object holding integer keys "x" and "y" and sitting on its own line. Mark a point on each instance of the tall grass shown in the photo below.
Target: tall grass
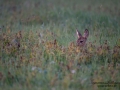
{"x": 38, "y": 44}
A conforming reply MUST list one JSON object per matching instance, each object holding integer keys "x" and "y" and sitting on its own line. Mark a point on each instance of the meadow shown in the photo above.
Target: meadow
{"x": 38, "y": 48}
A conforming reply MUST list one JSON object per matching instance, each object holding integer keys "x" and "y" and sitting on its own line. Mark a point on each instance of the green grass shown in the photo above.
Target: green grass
{"x": 53, "y": 61}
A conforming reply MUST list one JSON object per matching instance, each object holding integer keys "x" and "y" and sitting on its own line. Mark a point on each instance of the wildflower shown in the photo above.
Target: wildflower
{"x": 34, "y": 68}
{"x": 73, "y": 71}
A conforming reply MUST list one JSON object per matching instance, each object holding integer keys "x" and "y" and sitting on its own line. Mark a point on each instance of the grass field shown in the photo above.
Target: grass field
{"x": 38, "y": 45}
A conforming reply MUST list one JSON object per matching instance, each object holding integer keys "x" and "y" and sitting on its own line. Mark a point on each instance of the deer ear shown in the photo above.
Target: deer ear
{"x": 86, "y": 33}
{"x": 78, "y": 34}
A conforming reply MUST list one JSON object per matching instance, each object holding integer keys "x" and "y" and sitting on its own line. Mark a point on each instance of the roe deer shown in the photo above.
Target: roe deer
{"x": 81, "y": 41}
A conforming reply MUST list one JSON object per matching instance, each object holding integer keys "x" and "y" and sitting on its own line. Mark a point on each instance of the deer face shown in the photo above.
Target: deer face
{"x": 81, "y": 41}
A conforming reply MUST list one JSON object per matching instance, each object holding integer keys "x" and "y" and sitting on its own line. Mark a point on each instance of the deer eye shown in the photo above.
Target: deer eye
{"x": 81, "y": 41}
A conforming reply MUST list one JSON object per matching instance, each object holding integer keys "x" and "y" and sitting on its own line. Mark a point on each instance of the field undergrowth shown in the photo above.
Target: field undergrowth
{"x": 38, "y": 48}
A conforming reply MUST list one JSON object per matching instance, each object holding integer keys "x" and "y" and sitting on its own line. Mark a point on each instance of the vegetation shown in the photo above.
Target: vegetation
{"x": 38, "y": 48}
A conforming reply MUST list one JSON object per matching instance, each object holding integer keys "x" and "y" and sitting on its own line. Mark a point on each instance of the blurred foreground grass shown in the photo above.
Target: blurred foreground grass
{"x": 38, "y": 44}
